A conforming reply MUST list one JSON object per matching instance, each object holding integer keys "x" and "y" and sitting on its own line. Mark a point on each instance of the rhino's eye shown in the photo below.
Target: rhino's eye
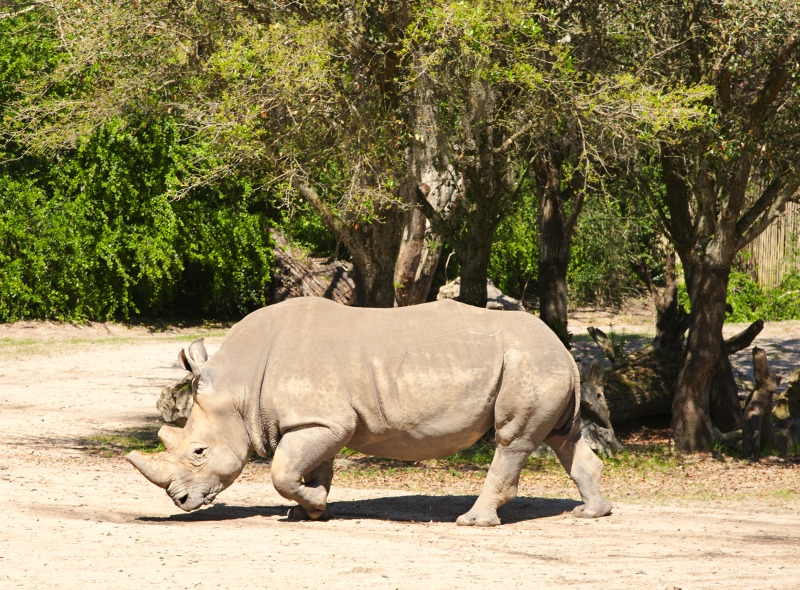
{"x": 200, "y": 452}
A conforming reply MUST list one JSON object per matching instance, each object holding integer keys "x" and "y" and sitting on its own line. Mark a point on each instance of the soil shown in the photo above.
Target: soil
{"x": 78, "y": 519}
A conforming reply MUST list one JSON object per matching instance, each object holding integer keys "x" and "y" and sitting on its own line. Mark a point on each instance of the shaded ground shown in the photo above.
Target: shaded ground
{"x": 73, "y": 519}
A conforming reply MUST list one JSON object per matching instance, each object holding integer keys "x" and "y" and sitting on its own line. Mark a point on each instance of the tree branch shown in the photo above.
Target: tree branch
{"x": 767, "y": 208}
{"x": 775, "y": 81}
{"x": 744, "y": 338}
{"x": 21, "y": 11}
{"x": 332, "y": 220}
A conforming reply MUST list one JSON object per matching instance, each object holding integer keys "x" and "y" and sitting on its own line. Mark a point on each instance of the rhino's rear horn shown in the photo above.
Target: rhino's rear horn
{"x": 193, "y": 357}
{"x": 170, "y": 436}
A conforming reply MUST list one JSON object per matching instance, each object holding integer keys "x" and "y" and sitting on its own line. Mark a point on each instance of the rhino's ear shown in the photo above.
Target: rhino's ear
{"x": 193, "y": 356}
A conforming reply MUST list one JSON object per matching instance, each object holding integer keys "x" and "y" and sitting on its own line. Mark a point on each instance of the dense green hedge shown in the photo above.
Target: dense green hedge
{"x": 94, "y": 234}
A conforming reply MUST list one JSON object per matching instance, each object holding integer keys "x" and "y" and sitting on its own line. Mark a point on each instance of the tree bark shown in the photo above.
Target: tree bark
{"x": 485, "y": 171}
{"x": 408, "y": 261}
{"x": 555, "y": 237}
{"x": 482, "y": 221}
{"x": 429, "y": 170}
{"x": 691, "y": 415}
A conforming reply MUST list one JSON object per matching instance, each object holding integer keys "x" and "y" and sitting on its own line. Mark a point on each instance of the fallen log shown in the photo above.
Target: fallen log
{"x": 298, "y": 275}
{"x": 642, "y": 383}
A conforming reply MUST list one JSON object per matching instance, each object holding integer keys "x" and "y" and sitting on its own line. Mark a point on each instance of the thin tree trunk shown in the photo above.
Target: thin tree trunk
{"x": 408, "y": 261}
{"x": 555, "y": 237}
{"x": 430, "y": 170}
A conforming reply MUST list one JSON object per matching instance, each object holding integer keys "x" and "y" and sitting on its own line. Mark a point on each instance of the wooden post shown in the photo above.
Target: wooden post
{"x": 757, "y": 430}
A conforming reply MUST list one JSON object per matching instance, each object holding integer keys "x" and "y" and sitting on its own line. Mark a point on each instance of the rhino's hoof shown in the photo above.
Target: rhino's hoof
{"x": 299, "y": 513}
{"x": 593, "y": 510}
{"x": 470, "y": 519}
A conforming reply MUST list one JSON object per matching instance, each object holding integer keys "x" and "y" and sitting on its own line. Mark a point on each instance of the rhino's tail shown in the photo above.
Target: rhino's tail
{"x": 569, "y": 423}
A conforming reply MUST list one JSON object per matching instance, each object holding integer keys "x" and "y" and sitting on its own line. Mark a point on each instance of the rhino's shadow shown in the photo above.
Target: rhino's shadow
{"x": 411, "y": 508}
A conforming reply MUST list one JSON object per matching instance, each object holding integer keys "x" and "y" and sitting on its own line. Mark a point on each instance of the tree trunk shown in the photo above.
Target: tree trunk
{"x": 374, "y": 247}
{"x": 487, "y": 177}
{"x": 642, "y": 383}
{"x": 691, "y": 408}
{"x": 408, "y": 261}
{"x": 430, "y": 170}
{"x": 474, "y": 253}
{"x": 555, "y": 237}
{"x": 672, "y": 321}
{"x": 374, "y": 278}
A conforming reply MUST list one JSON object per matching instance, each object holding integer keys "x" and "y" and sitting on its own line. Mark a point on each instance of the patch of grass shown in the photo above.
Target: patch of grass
{"x": 786, "y": 495}
{"x": 480, "y": 453}
{"x": 642, "y": 460}
{"x": 23, "y": 347}
{"x": 122, "y": 442}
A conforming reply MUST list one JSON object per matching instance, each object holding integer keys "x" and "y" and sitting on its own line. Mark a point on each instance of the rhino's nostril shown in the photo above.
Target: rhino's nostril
{"x": 182, "y": 499}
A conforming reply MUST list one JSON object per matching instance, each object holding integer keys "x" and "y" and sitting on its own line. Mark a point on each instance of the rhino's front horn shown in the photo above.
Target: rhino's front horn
{"x": 152, "y": 466}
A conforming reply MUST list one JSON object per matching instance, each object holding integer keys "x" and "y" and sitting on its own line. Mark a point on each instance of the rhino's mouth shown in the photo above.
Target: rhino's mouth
{"x": 187, "y": 501}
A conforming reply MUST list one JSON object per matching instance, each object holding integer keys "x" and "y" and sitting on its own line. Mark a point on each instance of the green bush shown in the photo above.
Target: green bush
{"x": 750, "y": 302}
{"x": 514, "y": 259}
{"x": 783, "y": 301}
{"x": 612, "y": 233}
{"x": 93, "y": 234}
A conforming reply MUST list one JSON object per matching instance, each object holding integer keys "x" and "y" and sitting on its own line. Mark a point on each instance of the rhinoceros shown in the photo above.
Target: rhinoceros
{"x": 304, "y": 378}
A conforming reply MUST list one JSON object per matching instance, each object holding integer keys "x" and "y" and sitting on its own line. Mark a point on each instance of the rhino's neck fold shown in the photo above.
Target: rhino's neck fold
{"x": 260, "y": 424}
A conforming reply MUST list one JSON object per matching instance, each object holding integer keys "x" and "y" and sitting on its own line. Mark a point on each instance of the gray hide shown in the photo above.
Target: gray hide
{"x": 306, "y": 377}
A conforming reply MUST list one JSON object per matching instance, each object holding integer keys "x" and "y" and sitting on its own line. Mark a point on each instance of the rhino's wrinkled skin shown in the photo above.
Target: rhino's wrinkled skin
{"x": 307, "y": 377}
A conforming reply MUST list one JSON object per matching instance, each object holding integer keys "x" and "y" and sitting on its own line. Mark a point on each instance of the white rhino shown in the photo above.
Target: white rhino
{"x": 306, "y": 377}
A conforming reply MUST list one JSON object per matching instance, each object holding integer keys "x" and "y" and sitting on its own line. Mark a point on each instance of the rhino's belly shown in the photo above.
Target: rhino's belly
{"x": 418, "y": 442}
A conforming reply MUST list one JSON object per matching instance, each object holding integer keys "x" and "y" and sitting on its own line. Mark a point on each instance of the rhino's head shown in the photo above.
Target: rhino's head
{"x": 208, "y": 453}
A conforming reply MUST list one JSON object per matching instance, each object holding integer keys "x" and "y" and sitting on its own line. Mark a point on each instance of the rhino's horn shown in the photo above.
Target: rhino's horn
{"x": 152, "y": 466}
{"x": 169, "y": 437}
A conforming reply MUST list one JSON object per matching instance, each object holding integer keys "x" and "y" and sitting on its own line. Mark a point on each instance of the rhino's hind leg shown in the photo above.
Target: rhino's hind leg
{"x": 585, "y": 469}
{"x": 302, "y": 470}
{"x": 500, "y": 485}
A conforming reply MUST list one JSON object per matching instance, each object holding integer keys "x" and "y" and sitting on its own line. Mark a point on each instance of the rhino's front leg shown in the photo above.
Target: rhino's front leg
{"x": 302, "y": 468}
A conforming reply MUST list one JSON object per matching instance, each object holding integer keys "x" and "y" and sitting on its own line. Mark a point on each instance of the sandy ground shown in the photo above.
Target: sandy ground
{"x": 74, "y": 520}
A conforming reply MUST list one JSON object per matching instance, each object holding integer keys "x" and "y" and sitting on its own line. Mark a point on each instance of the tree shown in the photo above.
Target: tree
{"x": 302, "y": 95}
{"x": 724, "y": 183}
{"x": 590, "y": 119}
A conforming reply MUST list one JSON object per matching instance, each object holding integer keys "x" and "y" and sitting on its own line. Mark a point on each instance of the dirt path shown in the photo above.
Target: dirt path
{"x": 73, "y": 520}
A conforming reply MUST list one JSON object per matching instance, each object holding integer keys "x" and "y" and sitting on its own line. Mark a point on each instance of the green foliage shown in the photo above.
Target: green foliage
{"x": 89, "y": 235}
{"x": 226, "y": 252}
{"x": 305, "y": 229}
{"x": 612, "y": 233}
{"x": 750, "y": 301}
{"x": 513, "y": 263}
{"x": 94, "y": 234}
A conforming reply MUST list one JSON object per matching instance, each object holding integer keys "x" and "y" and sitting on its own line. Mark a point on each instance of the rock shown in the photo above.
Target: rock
{"x": 495, "y": 298}
{"x": 175, "y": 402}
